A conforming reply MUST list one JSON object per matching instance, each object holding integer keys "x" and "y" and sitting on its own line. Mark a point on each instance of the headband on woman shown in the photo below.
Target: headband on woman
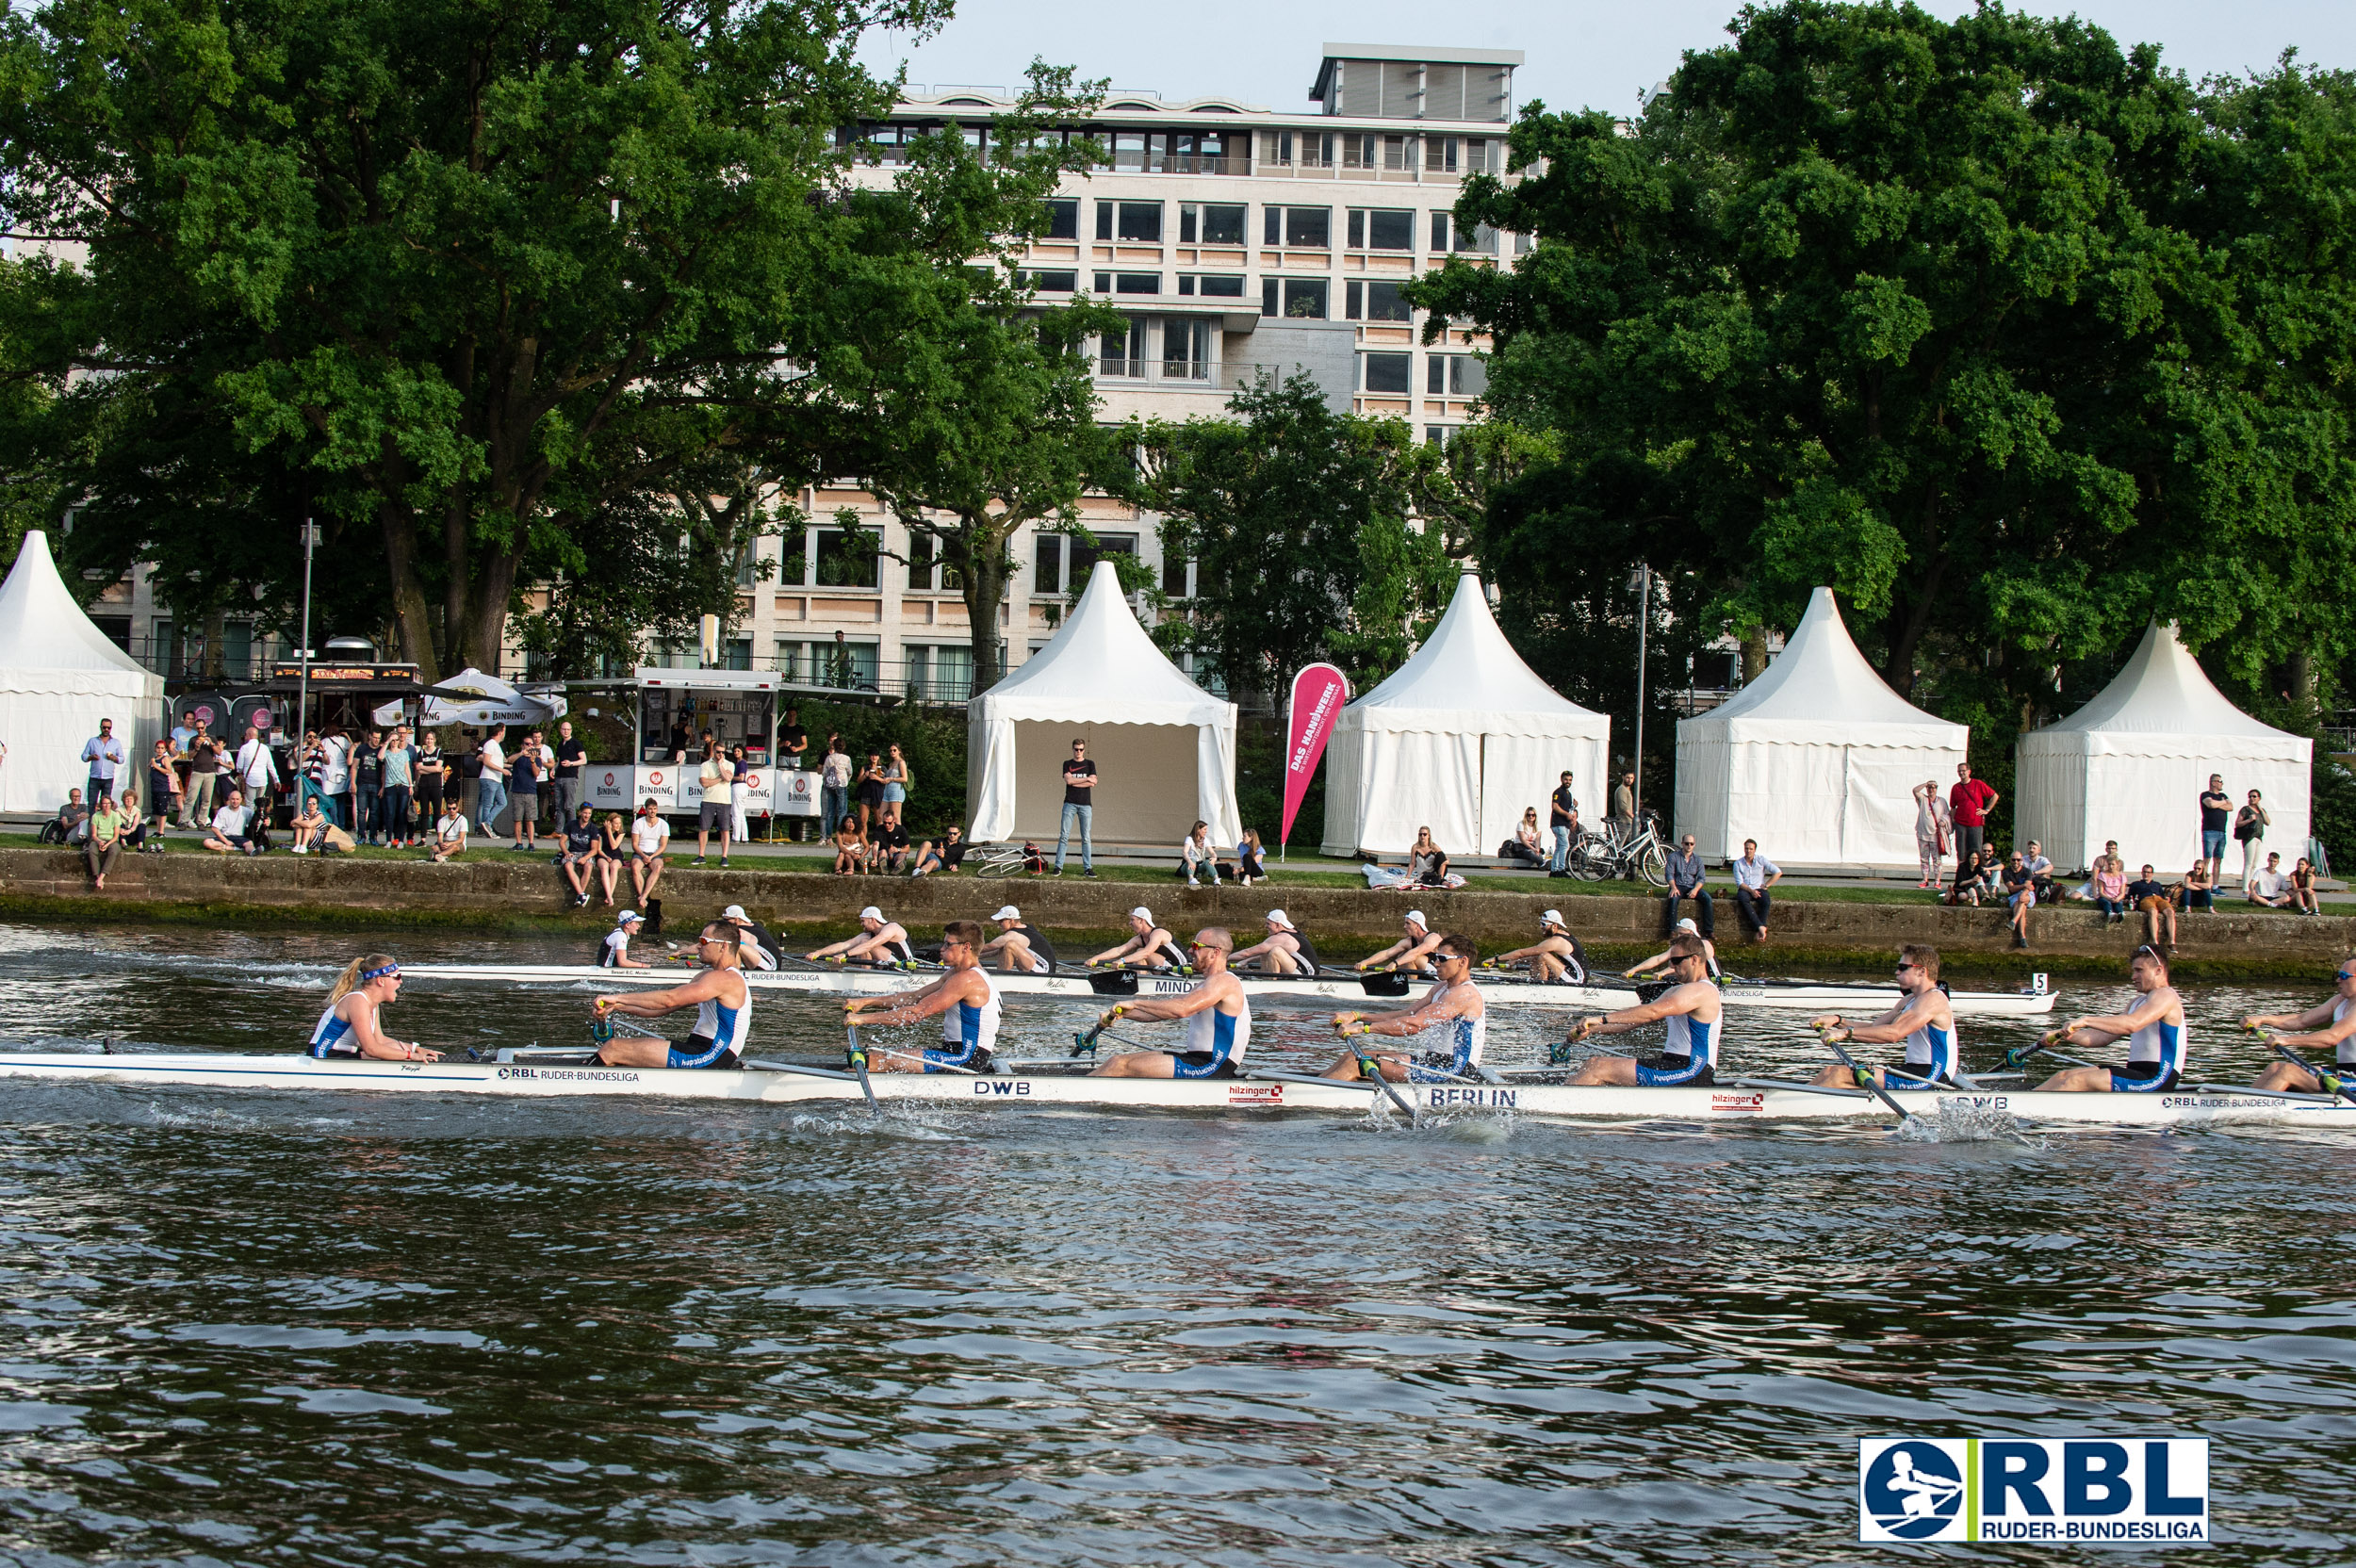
{"x": 378, "y": 972}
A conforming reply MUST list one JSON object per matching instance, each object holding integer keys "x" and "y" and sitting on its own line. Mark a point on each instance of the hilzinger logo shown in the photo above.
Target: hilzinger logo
{"x": 2148, "y": 1491}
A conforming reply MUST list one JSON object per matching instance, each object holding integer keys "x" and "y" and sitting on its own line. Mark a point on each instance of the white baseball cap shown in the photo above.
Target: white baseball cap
{"x": 1417, "y": 915}
{"x": 1142, "y": 913}
{"x": 734, "y": 911}
{"x": 626, "y": 917}
{"x": 1278, "y": 917}
{"x": 1552, "y": 916}
{"x": 871, "y": 912}
{"x": 1687, "y": 925}
{"x": 1007, "y": 912}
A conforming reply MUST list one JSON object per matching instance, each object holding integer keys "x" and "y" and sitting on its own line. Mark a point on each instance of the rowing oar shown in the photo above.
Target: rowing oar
{"x": 858, "y": 1066}
{"x": 2332, "y": 1083}
{"x": 1369, "y": 1067}
{"x": 1864, "y": 1078}
{"x": 1084, "y": 1044}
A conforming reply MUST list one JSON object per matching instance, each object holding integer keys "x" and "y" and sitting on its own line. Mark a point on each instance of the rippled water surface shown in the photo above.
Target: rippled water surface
{"x": 248, "y": 1328}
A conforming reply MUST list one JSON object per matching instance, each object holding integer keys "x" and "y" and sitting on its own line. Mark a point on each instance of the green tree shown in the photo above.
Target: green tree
{"x": 1302, "y": 526}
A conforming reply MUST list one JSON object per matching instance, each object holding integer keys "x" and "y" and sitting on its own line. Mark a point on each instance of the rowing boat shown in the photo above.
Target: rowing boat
{"x": 1812, "y": 995}
{"x": 544, "y": 1079}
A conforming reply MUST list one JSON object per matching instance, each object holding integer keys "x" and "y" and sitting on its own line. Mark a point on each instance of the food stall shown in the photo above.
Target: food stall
{"x": 670, "y": 711}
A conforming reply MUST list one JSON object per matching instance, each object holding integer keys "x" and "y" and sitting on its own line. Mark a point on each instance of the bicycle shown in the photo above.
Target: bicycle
{"x": 996, "y": 860}
{"x": 1626, "y": 850}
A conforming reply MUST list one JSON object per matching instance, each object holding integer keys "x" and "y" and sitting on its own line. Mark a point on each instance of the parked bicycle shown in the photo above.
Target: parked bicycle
{"x": 1622, "y": 850}
{"x": 993, "y": 860}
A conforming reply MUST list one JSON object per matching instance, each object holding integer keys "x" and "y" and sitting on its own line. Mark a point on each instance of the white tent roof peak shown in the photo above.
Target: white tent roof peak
{"x": 1102, "y": 665}
{"x": 1469, "y": 673}
{"x": 42, "y": 626}
{"x": 1821, "y": 677}
{"x": 2164, "y": 691}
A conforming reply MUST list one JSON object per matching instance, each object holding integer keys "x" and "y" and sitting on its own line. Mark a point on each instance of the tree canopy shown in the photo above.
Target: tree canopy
{"x": 2013, "y": 336}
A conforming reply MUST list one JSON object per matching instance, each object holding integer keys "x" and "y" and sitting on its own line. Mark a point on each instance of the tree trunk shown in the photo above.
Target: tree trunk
{"x": 984, "y": 570}
{"x": 216, "y": 653}
{"x": 411, "y": 615}
{"x": 2299, "y": 674}
{"x": 1754, "y": 653}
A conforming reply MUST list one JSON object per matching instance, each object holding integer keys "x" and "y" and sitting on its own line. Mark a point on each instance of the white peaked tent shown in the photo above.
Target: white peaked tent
{"x": 1461, "y": 739}
{"x": 2131, "y": 765}
{"x": 1164, "y": 748}
{"x": 58, "y": 676}
{"x": 1817, "y": 759}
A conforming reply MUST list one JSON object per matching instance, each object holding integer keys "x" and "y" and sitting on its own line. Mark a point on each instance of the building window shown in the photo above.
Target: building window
{"x": 1175, "y": 574}
{"x": 1386, "y": 373}
{"x": 1123, "y": 352}
{"x": 839, "y": 566}
{"x": 1304, "y": 298}
{"x": 1104, "y": 283}
{"x": 1063, "y": 220}
{"x": 1141, "y": 221}
{"x": 1477, "y": 154}
{"x": 1136, "y": 283}
{"x": 1048, "y": 283}
{"x": 1439, "y": 233}
{"x": 737, "y": 653}
{"x": 851, "y": 666}
{"x": 1047, "y": 563}
{"x": 1218, "y": 286}
{"x": 1378, "y": 301}
{"x": 1397, "y": 154}
{"x": 1358, "y": 149}
{"x": 1104, "y": 220}
{"x": 1185, "y": 348}
{"x": 1311, "y": 228}
{"x": 1439, "y": 155}
{"x": 1481, "y": 240}
{"x": 1210, "y": 224}
{"x": 1436, "y": 436}
{"x": 1455, "y": 376}
{"x": 925, "y": 564}
{"x": 1085, "y": 556}
{"x": 1381, "y": 230}
{"x": 940, "y": 672}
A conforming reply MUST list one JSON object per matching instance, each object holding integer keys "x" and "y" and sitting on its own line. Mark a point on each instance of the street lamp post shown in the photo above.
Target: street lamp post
{"x": 1644, "y": 625}
{"x": 302, "y": 679}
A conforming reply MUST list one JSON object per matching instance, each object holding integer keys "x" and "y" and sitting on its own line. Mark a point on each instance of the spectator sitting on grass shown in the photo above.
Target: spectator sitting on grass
{"x": 65, "y": 826}
{"x": 450, "y": 833}
{"x": 233, "y": 831}
{"x": 2040, "y": 872}
{"x": 134, "y": 833}
{"x": 2269, "y": 887}
{"x": 1972, "y": 873}
{"x": 2020, "y": 896}
{"x": 104, "y": 846}
{"x": 1196, "y": 857}
{"x": 1251, "y": 858}
{"x": 2303, "y": 888}
{"x": 311, "y": 828}
{"x": 2198, "y": 889}
{"x": 891, "y": 845}
{"x": 850, "y": 848}
{"x": 940, "y": 858}
{"x": 2110, "y": 889}
{"x": 2156, "y": 905}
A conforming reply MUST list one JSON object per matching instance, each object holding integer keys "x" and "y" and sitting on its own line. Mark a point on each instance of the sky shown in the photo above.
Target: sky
{"x": 1582, "y": 54}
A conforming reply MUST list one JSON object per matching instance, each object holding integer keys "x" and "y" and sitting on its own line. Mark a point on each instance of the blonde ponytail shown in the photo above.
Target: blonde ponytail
{"x": 349, "y": 981}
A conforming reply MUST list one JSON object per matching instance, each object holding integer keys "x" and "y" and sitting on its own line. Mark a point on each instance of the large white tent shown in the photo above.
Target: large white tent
{"x": 1461, "y": 738}
{"x": 2131, "y": 765}
{"x": 58, "y": 676}
{"x": 1164, "y": 748}
{"x": 1817, "y": 759}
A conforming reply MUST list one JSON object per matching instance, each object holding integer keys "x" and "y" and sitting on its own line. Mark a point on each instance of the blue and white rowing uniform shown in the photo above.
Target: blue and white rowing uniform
{"x": 2156, "y": 1055}
{"x": 1691, "y": 1056}
{"x": 1215, "y": 1044}
{"x": 332, "y": 1037}
{"x": 721, "y": 1032}
{"x": 1930, "y": 1054}
{"x": 2346, "y": 1053}
{"x": 1468, "y": 1036}
{"x": 968, "y": 1034}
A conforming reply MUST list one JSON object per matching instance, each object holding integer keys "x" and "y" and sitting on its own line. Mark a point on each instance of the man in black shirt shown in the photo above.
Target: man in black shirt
{"x": 1564, "y": 818}
{"x": 892, "y": 840}
{"x": 2216, "y": 808}
{"x": 1079, "y": 803}
{"x": 571, "y": 757}
{"x": 2149, "y": 897}
{"x": 792, "y": 739}
{"x": 580, "y": 861}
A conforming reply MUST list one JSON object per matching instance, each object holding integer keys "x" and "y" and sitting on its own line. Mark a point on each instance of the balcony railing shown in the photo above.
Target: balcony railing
{"x": 1175, "y": 375}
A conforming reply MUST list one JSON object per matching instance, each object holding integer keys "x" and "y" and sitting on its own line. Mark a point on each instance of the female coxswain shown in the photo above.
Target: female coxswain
{"x": 349, "y": 1027}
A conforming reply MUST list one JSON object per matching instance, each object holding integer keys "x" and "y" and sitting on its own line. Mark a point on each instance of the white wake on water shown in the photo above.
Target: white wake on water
{"x": 1965, "y": 1124}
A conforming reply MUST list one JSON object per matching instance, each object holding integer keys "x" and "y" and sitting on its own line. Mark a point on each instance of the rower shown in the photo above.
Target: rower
{"x": 724, "y": 1012}
{"x": 1150, "y": 946}
{"x": 964, "y": 998}
{"x": 1555, "y": 957}
{"x": 1018, "y": 947}
{"x": 614, "y": 950}
{"x": 1217, "y": 1016}
{"x": 1661, "y": 960}
{"x": 350, "y": 1028}
{"x": 2328, "y": 1026}
{"x": 1412, "y": 952}
{"x": 1923, "y": 1018}
{"x": 1691, "y": 1011}
{"x": 880, "y": 942}
{"x": 1283, "y": 951}
{"x": 2154, "y": 1028}
{"x": 758, "y": 947}
{"x": 1454, "y": 1005}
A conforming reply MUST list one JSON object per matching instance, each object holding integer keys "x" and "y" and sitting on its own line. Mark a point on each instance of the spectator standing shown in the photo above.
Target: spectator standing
{"x": 1079, "y": 806}
{"x": 1934, "y": 829}
{"x": 792, "y": 739}
{"x": 491, "y": 785}
{"x": 571, "y": 757}
{"x": 368, "y": 787}
{"x": 306, "y": 764}
{"x": 163, "y": 784}
{"x": 523, "y": 774}
{"x": 2303, "y": 888}
{"x": 336, "y": 776}
{"x": 1624, "y": 799}
{"x": 2249, "y": 829}
{"x": 716, "y": 776}
{"x": 1754, "y": 874}
{"x": 104, "y": 846}
{"x": 2269, "y": 887}
{"x": 834, "y": 787}
{"x": 205, "y": 758}
{"x": 2216, "y": 807}
{"x": 739, "y": 796}
{"x": 898, "y": 781}
{"x": 256, "y": 770}
{"x": 1969, "y": 804}
{"x": 101, "y": 755}
{"x": 2150, "y": 899}
{"x": 433, "y": 768}
{"x": 1562, "y": 817}
{"x": 1688, "y": 878}
{"x": 870, "y": 794}
{"x": 397, "y": 782}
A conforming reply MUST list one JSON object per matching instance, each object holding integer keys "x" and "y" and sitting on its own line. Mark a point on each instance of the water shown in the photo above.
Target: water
{"x": 295, "y": 1329}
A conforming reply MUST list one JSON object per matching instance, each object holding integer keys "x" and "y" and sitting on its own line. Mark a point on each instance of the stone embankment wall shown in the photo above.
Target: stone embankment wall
{"x": 49, "y": 883}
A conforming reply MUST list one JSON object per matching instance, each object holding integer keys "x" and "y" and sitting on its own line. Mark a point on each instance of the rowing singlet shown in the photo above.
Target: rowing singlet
{"x": 1690, "y": 1038}
{"x": 2156, "y": 1055}
{"x": 332, "y": 1036}
{"x": 2346, "y": 1056}
{"x": 1465, "y": 1039}
{"x": 1215, "y": 1044}
{"x": 612, "y": 951}
{"x": 968, "y": 1034}
{"x": 719, "y": 1029}
{"x": 1931, "y": 1052}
